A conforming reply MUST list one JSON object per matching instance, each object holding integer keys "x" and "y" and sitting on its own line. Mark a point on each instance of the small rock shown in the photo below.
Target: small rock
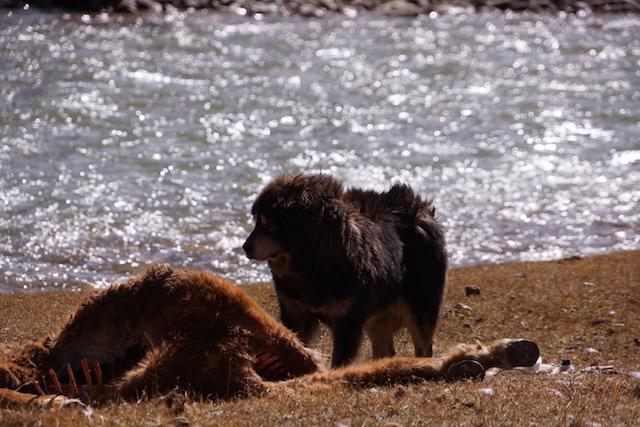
{"x": 181, "y": 422}
{"x": 127, "y": 6}
{"x": 636, "y": 341}
{"x": 264, "y": 8}
{"x": 487, "y": 391}
{"x": 330, "y": 4}
{"x": 461, "y": 306}
{"x": 521, "y": 275}
{"x": 565, "y": 366}
{"x": 309, "y": 10}
{"x": 399, "y": 393}
{"x": 151, "y": 5}
{"x": 471, "y": 290}
{"x": 400, "y": 8}
{"x": 365, "y": 4}
{"x": 349, "y": 12}
{"x": 609, "y": 370}
{"x": 587, "y": 283}
{"x": 592, "y": 350}
{"x": 603, "y": 369}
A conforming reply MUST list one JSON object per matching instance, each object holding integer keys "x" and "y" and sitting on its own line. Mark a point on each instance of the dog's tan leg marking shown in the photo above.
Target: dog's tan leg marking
{"x": 422, "y": 337}
{"x": 421, "y": 330}
{"x": 380, "y": 330}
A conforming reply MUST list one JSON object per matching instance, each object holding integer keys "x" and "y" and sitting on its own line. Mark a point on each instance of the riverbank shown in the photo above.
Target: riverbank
{"x": 583, "y": 310}
{"x": 318, "y": 8}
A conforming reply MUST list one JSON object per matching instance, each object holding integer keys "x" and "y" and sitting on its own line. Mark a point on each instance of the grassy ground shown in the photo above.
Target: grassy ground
{"x": 584, "y": 310}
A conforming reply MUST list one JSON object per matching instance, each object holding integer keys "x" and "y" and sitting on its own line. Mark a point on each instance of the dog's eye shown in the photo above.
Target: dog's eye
{"x": 264, "y": 221}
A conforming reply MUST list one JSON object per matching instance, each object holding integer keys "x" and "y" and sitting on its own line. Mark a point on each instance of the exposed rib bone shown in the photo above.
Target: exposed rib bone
{"x": 36, "y": 385}
{"x": 98, "y": 371}
{"x": 72, "y": 382}
{"x": 86, "y": 372}
{"x": 57, "y": 388}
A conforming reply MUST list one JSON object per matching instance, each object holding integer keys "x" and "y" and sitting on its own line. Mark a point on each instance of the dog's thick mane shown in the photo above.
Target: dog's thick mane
{"x": 350, "y": 236}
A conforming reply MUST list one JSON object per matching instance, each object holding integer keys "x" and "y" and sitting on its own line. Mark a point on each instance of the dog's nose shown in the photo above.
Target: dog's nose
{"x": 248, "y": 248}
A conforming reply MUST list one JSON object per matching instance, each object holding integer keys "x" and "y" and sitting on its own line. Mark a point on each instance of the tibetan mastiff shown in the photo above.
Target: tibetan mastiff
{"x": 352, "y": 259}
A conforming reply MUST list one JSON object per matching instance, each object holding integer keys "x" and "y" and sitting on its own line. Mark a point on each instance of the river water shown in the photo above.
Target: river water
{"x": 127, "y": 142}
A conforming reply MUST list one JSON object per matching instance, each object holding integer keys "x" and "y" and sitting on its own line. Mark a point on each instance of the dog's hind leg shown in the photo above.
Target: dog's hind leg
{"x": 426, "y": 260}
{"x": 421, "y": 326}
{"x": 422, "y": 331}
{"x": 380, "y": 330}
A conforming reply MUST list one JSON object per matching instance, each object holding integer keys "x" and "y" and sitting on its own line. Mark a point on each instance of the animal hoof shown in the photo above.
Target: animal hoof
{"x": 464, "y": 370}
{"x": 522, "y": 353}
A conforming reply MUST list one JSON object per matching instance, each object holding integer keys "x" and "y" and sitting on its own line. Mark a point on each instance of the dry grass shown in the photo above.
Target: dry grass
{"x": 585, "y": 310}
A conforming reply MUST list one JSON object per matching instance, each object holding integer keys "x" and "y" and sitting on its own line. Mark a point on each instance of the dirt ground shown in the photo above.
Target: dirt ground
{"x": 586, "y": 311}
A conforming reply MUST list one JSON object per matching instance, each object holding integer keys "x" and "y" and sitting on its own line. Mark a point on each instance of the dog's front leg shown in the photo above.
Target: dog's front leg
{"x": 347, "y": 335}
{"x": 304, "y": 324}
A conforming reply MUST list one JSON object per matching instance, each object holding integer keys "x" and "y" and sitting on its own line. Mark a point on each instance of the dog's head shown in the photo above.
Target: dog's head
{"x": 291, "y": 214}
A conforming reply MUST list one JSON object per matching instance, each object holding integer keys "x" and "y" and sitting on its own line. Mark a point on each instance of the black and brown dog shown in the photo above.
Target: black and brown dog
{"x": 355, "y": 260}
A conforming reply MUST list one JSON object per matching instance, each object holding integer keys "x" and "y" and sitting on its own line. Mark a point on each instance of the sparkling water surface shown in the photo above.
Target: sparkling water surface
{"x": 127, "y": 142}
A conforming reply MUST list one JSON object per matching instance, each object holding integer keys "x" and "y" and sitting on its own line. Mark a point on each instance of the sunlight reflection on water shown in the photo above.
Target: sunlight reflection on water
{"x": 127, "y": 143}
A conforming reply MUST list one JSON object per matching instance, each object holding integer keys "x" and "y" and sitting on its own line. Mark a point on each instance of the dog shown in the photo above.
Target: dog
{"x": 171, "y": 328}
{"x": 354, "y": 260}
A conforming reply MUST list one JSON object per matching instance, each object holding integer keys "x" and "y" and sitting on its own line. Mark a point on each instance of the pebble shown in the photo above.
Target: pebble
{"x": 487, "y": 391}
{"x": 399, "y": 8}
{"x": 461, "y": 306}
{"x": 471, "y": 290}
{"x": 181, "y": 422}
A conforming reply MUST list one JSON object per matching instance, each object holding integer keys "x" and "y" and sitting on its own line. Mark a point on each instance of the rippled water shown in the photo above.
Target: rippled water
{"x": 125, "y": 143}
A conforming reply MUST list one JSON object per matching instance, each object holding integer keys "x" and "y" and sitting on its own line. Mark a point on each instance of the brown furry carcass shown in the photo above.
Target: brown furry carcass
{"x": 171, "y": 328}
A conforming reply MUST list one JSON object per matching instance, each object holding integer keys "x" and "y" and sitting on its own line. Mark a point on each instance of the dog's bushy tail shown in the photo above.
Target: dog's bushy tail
{"x": 425, "y": 249}
{"x": 402, "y": 200}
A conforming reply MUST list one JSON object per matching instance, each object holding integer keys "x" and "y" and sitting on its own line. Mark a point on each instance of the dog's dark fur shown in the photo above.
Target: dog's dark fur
{"x": 353, "y": 260}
